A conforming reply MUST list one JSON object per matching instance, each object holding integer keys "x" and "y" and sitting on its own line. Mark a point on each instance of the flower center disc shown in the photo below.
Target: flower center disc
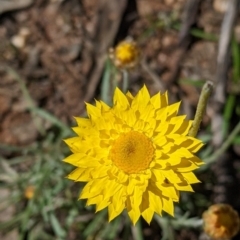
{"x": 132, "y": 152}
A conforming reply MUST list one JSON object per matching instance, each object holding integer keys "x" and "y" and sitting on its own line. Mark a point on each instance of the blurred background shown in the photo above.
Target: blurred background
{"x": 54, "y": 58}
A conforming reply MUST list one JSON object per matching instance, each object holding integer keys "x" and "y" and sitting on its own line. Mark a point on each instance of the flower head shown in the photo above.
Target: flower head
{"x": 125, "y": 55}
{"x": 221, "y": 221}
{"x": 135, "y": 155}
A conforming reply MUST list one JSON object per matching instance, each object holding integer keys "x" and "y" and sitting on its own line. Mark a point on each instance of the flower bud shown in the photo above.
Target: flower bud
{"x": 221, "y": 221}
{"x": 125, "y": 55}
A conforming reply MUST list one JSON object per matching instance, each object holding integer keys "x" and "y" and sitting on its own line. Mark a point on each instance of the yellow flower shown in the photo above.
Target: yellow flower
{"x": 135, "y": 155}
{"x": 125, "y": 55}
{"x": 221, "y": 221}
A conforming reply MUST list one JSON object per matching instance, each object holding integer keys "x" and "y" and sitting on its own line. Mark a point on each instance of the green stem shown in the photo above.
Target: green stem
{"x": 225, "y": 145}
{"x": 166, "y": 226}
{"x": 137, "y": 231}
{"x": 105, "y": 86}
{"x": 201, "y": 107}
{"x": 125, "y": 80}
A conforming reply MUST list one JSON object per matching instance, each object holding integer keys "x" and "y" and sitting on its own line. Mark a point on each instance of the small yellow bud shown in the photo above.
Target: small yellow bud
{"x": 221, "y": 221}
{"x": 125, "y": 55}
{"x": 29, "y": 192}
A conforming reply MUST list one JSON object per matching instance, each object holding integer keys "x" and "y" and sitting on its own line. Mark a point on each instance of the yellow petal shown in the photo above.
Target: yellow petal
{"x": 104, "y": 107}
{"x": 168, "y": 191}
{"x": 136, "y": 199}
{"x": 155, "y": 100}
{"x": 183, "y": 187}
{"x": 157, "y": 175}
{"x": 111, "y": 188}
{"x": 94, "y": 200}
{"x": 184, "y": 128}
{"x": 80, "y": 174}
{"x": 93, "y": 112}
{"x": 164, "y": 100}
{"x": 133, "y": 213}
{"x": 148, "y": 215}
{"x": 119, "y": 199}
{"x": 197, "y": 161}
{"x": 84, "y": 132}
{"x": 196, "y": 146}
{"x": 122, "y": 177}
{"x": 181, "y": 126}
{"x": 74, "y": 144}
{"x": 130, "y": 187}
{"x": 171, "y": 176}
{"x": 168, "y": 206}
{"x": 80, "y": 160}
{"x": 190, "y": 177}
{"x": 172, "y": 110}
{"x": 83, "y": 122}
{"x": 183, "y": 152}
{"x": 100, "y": 171}
{"x": 186, "y": 166}
{"x": 74, "y": 158}
{"x": 147, "y": 113}
{"x": 141, "y": 100}
{"x": 129, "y": 96}
{"x": 118, "y": 204}
{"x": 98, "y": 104}
{"x": 112, "y": 213}
{"x": 100, "y": 205}
{"x": 156, "y": 203}
{"x": 120, "y": 100}
{"x": 87, "y": 193}
{"x": 160, "y": 100}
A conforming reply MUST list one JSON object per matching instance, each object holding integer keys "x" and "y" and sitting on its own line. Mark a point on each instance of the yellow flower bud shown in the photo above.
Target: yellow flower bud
{"x": 221, "y": 221}
{"x": 125, "y": 55}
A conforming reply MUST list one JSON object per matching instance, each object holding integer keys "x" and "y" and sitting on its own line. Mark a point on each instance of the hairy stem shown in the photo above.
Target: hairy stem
{"x": 201, "y": 107}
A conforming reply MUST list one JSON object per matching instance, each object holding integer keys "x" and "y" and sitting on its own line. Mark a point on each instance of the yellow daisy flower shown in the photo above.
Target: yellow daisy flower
{"x": 135, "y": 155}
